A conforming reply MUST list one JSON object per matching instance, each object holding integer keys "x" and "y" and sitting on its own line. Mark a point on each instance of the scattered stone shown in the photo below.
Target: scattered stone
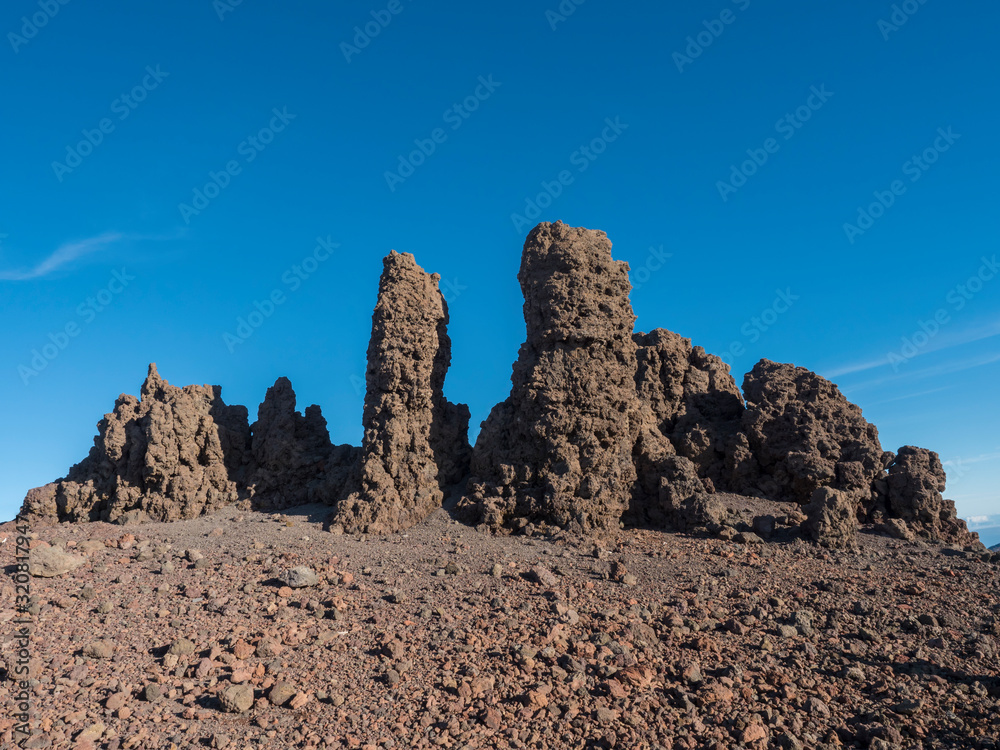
{"x": 236, "y": 699}
{"x": 281, "y": 693}
{"x": 544, "y": 576}
{"x": 51, "y": 562}
{"x": 301, "y": 577}
{"x": 99, "y": 649}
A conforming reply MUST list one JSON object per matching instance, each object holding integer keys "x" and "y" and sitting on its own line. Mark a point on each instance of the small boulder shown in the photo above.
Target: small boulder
{"x": 281, "y": 693}
{"x": 831, "y": 518}
{"x": 300, "y": 577}
{"x": 182, "y": 647}
{"x": 50, "y": 562}
{"x": 237, "y": 699}
{"x": 897, "y": 529}
{"x": 99, "y": 649}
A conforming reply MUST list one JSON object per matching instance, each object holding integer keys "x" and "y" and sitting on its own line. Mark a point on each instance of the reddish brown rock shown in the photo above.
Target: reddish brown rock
{"x": 292, "y": 454}
{"x": 681, "y": 503}
{"x": 558, "y": 451}
{"x": 415, "y": 442}
{"x": 173, "y": 453}
{"x": 915, "y": 482}
{"x": 801, "y": 434}
{"x": 831, "y": 518}
{"x": 692, "y": 400}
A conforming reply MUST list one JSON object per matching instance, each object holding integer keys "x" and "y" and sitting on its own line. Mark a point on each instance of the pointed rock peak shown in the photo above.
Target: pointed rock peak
{"x": 153, "y": 381}
{"x": 279, "y": 396}
{"x": 282, "y": 385}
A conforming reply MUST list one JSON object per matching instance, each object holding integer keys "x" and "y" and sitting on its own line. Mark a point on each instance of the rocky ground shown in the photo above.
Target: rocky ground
{"x": 187, "y": 635}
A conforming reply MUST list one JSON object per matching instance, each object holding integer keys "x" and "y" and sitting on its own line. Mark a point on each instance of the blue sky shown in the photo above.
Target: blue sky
{"x": 810, "y": 183}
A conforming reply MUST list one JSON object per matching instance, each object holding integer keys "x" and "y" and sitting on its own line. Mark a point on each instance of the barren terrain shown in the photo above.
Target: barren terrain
{"x": 445, "y": 636}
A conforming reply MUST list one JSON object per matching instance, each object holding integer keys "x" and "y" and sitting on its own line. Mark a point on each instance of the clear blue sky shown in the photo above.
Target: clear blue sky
{"x": 634, "y": 129}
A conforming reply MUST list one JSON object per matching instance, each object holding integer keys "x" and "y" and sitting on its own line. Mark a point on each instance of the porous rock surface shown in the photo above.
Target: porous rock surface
{"x": 558, "y": 451}
{"x": 915, "y": 482}
{"x": 172, "y": 453}
{"x": 49, "y": 562}
{"x": 800, "y": 433}
{"x": 831, "y": 518}
{"x": 415, "y": 441}
{"x": 603, "y": 426}
{"x": 692, "y": 400}
{"x": 291, "y": 453}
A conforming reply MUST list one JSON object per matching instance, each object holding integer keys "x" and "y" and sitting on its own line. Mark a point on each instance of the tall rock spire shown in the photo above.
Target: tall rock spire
{"x": 558, "y": 451}
{"x": 415, "y": 441}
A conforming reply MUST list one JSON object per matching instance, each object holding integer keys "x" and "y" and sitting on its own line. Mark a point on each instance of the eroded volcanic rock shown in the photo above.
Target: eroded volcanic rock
{"x": 802, "y": 434}
{"x": 415, "y": 442}
{"x": 173, "y": 453}
{"x": 831, "y": 518}
{"x": 693, "y": 401}
{"x": 291, "y": 452}
{"x": 559, "y": 449}
{"x": 915, "y": 482}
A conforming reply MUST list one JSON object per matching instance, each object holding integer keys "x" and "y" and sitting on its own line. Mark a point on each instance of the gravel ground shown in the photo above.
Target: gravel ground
{"x": 184, "y": 635}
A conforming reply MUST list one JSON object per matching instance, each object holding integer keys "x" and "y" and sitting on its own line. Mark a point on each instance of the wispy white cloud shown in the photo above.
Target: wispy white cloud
{"x": 64, "y": 254}
{"x": 982, "y": 522}
{"x": 946, "y": 368}
{"x": 945, "y": 340}
{"x": 974, "y": 459}
{"x": 910, "y": 395}
{"x": 849, "y": 369}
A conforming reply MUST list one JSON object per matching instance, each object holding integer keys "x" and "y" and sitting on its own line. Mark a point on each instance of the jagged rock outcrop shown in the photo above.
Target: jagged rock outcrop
{"x": 602, "y": 426}
{"x": 172, "y": 453}
{"x": 799, "y": 434}
{"x": 692, "y": 400}
{"x": 831, "y": 518}
{"x": 292, "y": 453}
{"x": 415, "y": 442}
{"x": 558, "y": 451}
{"x": 682, "y": 501}
{"x": 914, "y": 485}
